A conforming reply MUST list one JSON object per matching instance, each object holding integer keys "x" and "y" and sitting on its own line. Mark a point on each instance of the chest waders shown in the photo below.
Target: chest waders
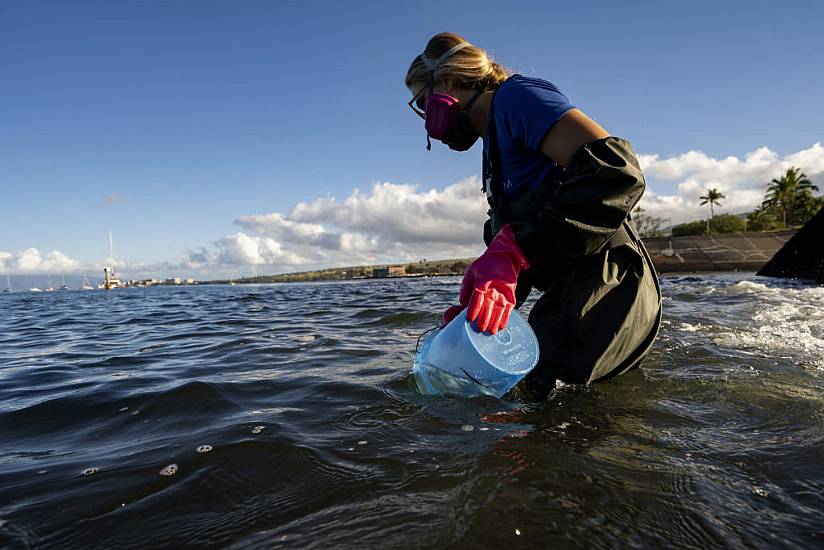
{"x": 601, "y": 307}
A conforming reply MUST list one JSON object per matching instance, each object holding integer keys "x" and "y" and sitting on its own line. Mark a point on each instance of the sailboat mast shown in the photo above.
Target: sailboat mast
{"x": 111, "y": 250}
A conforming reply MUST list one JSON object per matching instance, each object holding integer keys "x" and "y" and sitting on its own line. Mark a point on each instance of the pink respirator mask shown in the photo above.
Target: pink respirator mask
{"x": 444, "y": 113}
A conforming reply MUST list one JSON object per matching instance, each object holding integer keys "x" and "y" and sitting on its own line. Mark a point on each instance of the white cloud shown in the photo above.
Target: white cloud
{"x": 391, "y": 222}
{"x": 32, "y": 261}
{"x": 242, "y": 249}
{"x": 402, "y": 214}
{"x": 743, "y": 181}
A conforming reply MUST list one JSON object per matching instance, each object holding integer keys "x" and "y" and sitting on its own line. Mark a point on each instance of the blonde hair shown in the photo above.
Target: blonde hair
{"x": 470, "y": 67}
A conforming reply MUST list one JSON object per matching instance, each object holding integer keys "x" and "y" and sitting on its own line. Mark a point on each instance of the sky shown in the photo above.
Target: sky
{"x": 220, "y": 138}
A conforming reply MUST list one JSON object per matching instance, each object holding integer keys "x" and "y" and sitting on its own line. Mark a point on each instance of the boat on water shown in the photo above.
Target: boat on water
{"x": 49, "y": 288}
{"x": 86, "y": 285}
{"x": 110, "y": 280}
{"x": 7, "y": 290}
{"x": 63, "y": 285}
{"x": 35, "y": 289}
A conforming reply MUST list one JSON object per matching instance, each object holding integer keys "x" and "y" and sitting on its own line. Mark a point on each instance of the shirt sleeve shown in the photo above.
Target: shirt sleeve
{"x": 529, "y": 108}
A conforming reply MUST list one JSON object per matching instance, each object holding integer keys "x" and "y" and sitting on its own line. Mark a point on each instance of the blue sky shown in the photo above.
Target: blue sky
{"x": 172, "y": 122}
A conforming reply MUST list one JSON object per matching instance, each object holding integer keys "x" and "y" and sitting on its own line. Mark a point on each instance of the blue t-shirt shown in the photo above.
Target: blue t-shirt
{"x": 525, "y": 109}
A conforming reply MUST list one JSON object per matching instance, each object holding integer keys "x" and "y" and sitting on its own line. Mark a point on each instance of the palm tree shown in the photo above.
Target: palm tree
{"x": 784, "y": 192}
{"x": 712, "y": 197}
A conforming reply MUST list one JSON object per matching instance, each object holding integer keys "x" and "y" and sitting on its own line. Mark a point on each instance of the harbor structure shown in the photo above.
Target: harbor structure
{"x": 389, "y": 271}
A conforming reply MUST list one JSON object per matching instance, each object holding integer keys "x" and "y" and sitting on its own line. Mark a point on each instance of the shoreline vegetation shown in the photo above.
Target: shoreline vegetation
{"x": 422, "y": 268}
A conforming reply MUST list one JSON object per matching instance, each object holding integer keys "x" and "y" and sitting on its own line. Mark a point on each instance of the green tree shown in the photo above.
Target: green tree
{"x": 763, "y": 219}
{"x": 722, "y": 223}
{"x": 647, "y": 226}
{"x": 712, "y": 198}
{"x": 458, "y": 267}
{"x": 806, "y": 207}
{"x": 689, "y": 228}
{"x": 728, "y": 223}
{"x": 787, "y": 193}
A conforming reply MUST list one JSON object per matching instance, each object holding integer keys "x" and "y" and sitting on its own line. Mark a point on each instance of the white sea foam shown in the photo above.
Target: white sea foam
{"x": 169, "y": 470}
{"x": 688, "y": 327}
{"x": 786, "y": 321}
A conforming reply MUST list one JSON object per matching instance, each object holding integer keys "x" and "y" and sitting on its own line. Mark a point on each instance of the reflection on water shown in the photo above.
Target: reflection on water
{"x": 282, "y": 416}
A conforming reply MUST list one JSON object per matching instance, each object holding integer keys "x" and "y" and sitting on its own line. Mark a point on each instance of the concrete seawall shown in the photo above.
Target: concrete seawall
{"x": 725, "y": 252}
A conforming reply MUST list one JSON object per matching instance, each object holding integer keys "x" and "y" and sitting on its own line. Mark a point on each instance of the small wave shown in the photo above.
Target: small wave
{"x": 403, "y": 319}
{"x": 786, "y": 319}
{"x": 369, "y": 313}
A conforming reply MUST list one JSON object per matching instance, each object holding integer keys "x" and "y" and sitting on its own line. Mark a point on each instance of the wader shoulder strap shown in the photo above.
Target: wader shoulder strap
{"x": 492, "y": 172}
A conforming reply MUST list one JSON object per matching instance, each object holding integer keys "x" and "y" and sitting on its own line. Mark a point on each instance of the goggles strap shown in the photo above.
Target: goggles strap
{"x": 432, "y": 64}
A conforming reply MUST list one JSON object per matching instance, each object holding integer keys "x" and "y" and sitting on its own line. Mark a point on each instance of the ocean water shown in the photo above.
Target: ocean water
{"x": 283, "y": 416}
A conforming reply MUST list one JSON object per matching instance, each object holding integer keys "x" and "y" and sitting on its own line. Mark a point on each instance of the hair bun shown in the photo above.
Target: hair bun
{"x": 468, "y": 67}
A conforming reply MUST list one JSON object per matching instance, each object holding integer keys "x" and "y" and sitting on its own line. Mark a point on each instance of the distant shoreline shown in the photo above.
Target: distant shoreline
{"x": 690, "y": 254}
{"x": 424, "y": 268}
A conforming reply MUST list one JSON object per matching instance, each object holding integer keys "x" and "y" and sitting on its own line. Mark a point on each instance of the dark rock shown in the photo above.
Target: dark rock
{"x": 803, "y": 255}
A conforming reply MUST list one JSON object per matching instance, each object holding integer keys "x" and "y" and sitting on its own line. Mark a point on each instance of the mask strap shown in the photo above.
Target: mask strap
{"x": 472, "y": 100}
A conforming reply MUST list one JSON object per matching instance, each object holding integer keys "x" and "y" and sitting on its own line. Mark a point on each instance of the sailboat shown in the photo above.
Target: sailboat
{"x": 8, "y": 285}
{"x": 49, "y": 288}
{"x": 86, "y": 285}
{"x": 110, "y": 281}
{"x": 63, "y": 285}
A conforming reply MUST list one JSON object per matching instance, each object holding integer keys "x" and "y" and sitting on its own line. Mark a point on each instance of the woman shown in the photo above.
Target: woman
{"x": 560, "y": 190}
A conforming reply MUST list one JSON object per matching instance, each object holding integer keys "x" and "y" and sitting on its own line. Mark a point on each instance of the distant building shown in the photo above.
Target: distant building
{"x": 389, "y": 271}
{"x": 173, "y": 281}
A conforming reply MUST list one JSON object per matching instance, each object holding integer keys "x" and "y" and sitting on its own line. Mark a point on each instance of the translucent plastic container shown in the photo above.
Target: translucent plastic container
{"x": 459, "y": 360}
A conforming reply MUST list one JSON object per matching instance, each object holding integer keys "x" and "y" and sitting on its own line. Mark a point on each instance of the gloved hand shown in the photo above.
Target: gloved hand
{"x": 488, "y": 287}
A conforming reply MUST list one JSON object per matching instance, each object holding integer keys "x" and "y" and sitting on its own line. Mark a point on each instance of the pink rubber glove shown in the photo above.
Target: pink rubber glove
{"x": 488, "y": 287}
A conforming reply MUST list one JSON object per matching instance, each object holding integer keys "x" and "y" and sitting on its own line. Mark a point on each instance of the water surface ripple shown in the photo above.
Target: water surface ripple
{"x": 282, "y": 416}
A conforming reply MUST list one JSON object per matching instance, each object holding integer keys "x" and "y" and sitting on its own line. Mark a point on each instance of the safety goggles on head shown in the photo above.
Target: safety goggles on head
{"x": 418, "y": 104}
